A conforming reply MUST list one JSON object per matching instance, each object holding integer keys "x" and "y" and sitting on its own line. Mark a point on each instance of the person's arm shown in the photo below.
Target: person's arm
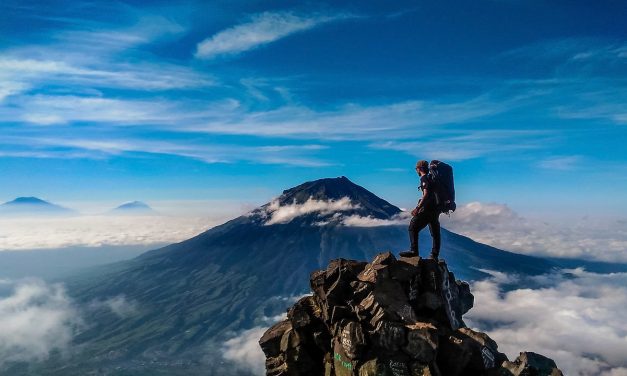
{"x": 425, "y": 194}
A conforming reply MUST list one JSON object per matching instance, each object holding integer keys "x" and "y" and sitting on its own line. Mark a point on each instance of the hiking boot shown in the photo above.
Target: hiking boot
{"x": 409, "y": 254}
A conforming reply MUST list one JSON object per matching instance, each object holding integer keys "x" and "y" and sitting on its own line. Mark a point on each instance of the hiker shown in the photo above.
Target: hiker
{"x": 427, "y": 212}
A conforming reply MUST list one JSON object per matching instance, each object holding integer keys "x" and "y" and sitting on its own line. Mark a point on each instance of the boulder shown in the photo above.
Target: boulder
{"x": 532, "y": 364}
{"x": 270, "y": 342}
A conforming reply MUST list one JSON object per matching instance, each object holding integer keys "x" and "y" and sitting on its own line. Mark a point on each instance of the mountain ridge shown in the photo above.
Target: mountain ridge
{"x": 193, "y": 295}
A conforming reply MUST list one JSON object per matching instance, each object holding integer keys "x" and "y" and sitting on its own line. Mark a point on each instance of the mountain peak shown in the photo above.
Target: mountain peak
{"x": 388, "y": 317}
{"x": 30, "y": 200}
{"x": 335, "y": 189}
{"x": 133, "y": 207}
{"x": 30, "y": 205}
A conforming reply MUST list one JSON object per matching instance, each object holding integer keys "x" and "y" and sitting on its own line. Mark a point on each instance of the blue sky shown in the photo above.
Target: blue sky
{"x": 239, "y": 100}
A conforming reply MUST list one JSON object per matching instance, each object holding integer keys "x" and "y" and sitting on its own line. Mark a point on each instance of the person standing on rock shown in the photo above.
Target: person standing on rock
{"x": 425, "y": 213}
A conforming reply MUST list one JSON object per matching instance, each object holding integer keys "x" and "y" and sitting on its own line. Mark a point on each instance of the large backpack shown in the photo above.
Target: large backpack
{"x": 442, "y": 175}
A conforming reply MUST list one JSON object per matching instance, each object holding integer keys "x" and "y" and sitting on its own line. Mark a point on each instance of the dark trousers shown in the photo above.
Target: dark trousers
{"x": 420, "y": 221}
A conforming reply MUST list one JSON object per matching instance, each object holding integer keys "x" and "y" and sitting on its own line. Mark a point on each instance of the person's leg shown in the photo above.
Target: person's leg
{"x": 417, "y": 223}
{"x": 434, "y": 229}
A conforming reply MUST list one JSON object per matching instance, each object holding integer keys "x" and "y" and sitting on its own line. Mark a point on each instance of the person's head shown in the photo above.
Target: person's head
{"x": 422, "y": 167}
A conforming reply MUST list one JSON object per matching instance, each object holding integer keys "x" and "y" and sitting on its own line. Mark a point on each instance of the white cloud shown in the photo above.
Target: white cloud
{"x": 61, "y": 109}
{"x": 565, "y": 163}
{"x": 501, "y": 227}
{"x": 34, "y": 320}
{"x": 352, "y": 121}
{"x": 21, "y": 73}
{"x": 243, "y": 348}
{"x": 285, "y": 213}
{"x": 245, "y": 352}
{"x": 67, "y": 147}
{"x": 359, "y": 221}
{"x": 95, "y": 231}
{"x": 119, "y": 305}
{"x": 468, "y": 145}
{"x": 578, "y": 322}
{"x": 87, "y": 60}
{"x": 262, "y": 29}
{"x": 10, "y": 87}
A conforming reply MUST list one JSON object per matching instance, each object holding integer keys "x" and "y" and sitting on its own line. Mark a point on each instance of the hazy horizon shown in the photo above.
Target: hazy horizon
{"x": 205, "y": 110}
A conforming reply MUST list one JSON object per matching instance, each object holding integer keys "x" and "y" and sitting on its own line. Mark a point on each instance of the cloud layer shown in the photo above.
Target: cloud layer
{"x": 95, "y": 231}
{"x": 574, "y": 317}
{"x": 499, "y": 226}
{"x": 577, "y": 321}
{"x": 285, "y": 213}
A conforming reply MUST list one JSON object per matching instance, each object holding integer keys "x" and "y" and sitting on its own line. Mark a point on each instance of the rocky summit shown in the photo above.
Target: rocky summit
{"x": 389, "y": 317}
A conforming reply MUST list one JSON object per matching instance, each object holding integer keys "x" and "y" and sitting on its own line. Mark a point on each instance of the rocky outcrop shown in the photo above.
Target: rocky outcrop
{"x": 387, "y": 317}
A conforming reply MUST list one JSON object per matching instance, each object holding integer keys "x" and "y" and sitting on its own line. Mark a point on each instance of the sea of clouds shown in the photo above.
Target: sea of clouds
{"x": 96, "y": 231}
{"x": 500, "y": 226}
{"x": 577, "y": 319}
{"x": 489, "y": 223}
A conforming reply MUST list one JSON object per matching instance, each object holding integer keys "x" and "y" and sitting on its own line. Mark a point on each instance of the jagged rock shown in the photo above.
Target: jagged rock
{"x": 270, "y": 342}
{"x": 429, "y": 300}
{"x": 342, "y": 364}
{"x": 419, "y": 369}
{"x": 531, "y": 364}
{"x": 388, "y": 317}
{"x": 485, "y": 350}
{"x": 389, "y": 336}
{"x": 353, "y": 339}
{"x": 390, "y": 294}
{"x": 378, "y": 269}
{"x": 454, "y": 354}
{"x": 422, "y": 342}
{"x": 466, "y": 299}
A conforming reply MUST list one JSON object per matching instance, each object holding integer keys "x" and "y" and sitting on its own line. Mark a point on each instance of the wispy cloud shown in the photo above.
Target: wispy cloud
{"x": 354, "y": 121}
{"x": 359, "y": 221}
{"x": 99, "y": 56}
{"x": 260, "y": 30}
{"x": 119, "y": 305}
{"x": 584, "y": 76}
{"x": 467, "y": 144}
{"x": 55, "y": 147}
{"x": 34, "y": 320}
{"x": 104, "y": 38}
{"x": 564, "y": 163}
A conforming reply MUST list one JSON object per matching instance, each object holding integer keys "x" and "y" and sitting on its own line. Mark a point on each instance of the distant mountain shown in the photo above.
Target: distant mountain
{"x": 33, "y": 206}
{"x": 194, "y": 295}
{"x": 133, "y": 208}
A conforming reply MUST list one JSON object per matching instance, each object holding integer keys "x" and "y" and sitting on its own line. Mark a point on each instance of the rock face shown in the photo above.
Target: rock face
{"x": 388, "y": 317}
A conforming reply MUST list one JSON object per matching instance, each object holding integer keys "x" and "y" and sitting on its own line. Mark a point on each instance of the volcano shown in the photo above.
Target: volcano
{"x": 23, "y": 206}
{"x": 133, "y": 208}
{"x": 190, "y": 297}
